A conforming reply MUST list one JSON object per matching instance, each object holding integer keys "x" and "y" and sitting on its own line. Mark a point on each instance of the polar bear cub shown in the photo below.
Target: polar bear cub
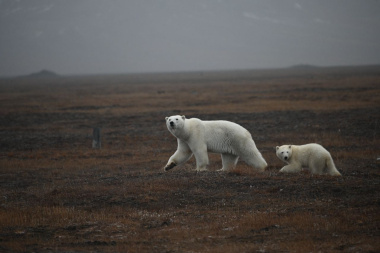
{"x": 197, "y": 137}
{"x": 313, "y": 156}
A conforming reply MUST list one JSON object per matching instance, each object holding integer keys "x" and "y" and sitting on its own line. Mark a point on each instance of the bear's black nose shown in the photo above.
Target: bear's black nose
{"x": 286, "y": 158}
{"x": 172, "y": 123}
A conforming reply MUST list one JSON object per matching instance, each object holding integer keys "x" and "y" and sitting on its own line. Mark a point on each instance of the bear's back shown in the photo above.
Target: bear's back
{"x": 224, "y": 125}
{"x": 224, "y": 136}
{"x": 310, "y": 151}
{"x": 222, "y": 129}
{"x": 313, "y": 147}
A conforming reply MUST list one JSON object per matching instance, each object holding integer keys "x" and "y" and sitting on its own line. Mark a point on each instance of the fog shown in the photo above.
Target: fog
{"x": 119, "y": 36}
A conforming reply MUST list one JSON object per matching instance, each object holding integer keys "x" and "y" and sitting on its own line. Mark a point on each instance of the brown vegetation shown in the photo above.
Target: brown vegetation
{"x": 58, "y": 194}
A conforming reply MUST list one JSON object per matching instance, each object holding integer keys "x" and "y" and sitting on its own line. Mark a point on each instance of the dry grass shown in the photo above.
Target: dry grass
{"x": 58, "y": 194}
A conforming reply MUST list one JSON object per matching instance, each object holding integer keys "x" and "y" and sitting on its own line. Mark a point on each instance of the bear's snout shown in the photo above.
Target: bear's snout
{"x": 171, "y": 123}
{"x": 286, "y": 158}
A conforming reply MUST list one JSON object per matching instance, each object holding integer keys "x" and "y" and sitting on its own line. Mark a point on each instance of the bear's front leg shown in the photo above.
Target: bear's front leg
{"x": 202, "y": 161}
{"x": 291, "y": 168}
{"x": 201, "y": 157}
{"x": 182, "y": 155}
{"x": 170, "y": 166}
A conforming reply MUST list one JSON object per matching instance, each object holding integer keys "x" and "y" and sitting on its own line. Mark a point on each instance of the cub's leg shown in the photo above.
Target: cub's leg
{"x": 182, "y": 155}
{"x": 229, "y": 162}
{"x": 324, "y": 166}
{"x": 291, "y": 168}
{"x": 317, "y": 166}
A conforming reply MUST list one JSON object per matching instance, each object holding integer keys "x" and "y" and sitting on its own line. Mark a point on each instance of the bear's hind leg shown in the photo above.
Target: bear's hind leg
{"x": 249, "y": 153}
{"x": 254, "y": 159}
{"x": 229, "y": 162}
{"x": 331, "y": 169}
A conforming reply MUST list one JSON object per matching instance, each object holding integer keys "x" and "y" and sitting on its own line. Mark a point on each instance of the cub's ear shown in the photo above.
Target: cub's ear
{"x": 166, "y": 118}
{"x": 183, "y": 117}
{"x": 277, "y": 147}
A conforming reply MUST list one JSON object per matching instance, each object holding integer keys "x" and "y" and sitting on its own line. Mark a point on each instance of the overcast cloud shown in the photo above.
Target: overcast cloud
{"x": 124, "y": 36}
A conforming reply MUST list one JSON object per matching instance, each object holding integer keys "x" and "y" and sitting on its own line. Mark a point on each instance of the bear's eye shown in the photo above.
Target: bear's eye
{"x": 282, "y": 152}
{"x": 176, "y": 119}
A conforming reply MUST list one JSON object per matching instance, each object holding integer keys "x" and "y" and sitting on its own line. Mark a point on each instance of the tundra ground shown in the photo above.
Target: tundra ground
{"x": 57, "y": 194}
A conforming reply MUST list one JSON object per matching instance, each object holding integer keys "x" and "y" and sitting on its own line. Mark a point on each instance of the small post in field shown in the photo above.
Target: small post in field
{"x": 96, "y": 142}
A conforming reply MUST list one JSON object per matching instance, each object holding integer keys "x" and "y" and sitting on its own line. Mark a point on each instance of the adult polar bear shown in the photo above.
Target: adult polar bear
{"x": 313, "y": 156}
{"x": 195, "y": 136}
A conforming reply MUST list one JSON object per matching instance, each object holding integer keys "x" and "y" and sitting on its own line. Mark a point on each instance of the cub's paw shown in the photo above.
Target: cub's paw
{"x": 170, "y": 166}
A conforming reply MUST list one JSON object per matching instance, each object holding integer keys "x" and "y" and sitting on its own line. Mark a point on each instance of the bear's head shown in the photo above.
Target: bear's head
{"x": 175, "y": 123}
{"x": 284, "y": 152}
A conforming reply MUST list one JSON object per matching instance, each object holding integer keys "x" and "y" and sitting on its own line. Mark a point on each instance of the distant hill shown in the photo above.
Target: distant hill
{"x": 43, "y": 73}
{"x": 303, "y": 66}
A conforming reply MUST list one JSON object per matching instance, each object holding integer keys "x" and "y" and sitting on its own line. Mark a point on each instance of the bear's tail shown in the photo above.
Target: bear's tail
{"x": 332, "y": 170}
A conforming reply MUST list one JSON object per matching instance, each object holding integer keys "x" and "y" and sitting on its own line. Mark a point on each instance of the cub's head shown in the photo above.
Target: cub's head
{"x": 175, "y": 122}
{"x": 284, "y": 152}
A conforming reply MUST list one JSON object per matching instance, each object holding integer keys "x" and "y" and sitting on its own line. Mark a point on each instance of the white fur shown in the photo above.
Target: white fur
{"x": 313, "y": 156}
{"x": 198, "y": 137}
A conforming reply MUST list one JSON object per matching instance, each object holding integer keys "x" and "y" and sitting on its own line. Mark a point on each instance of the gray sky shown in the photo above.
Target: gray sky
{"x": 124, "y": 36}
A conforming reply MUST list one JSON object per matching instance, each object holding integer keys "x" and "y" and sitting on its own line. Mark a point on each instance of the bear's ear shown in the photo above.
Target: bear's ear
{"x": 277, "y": 147}
{"x": 183, "y": 117}
{"x": 166, "y": 118}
